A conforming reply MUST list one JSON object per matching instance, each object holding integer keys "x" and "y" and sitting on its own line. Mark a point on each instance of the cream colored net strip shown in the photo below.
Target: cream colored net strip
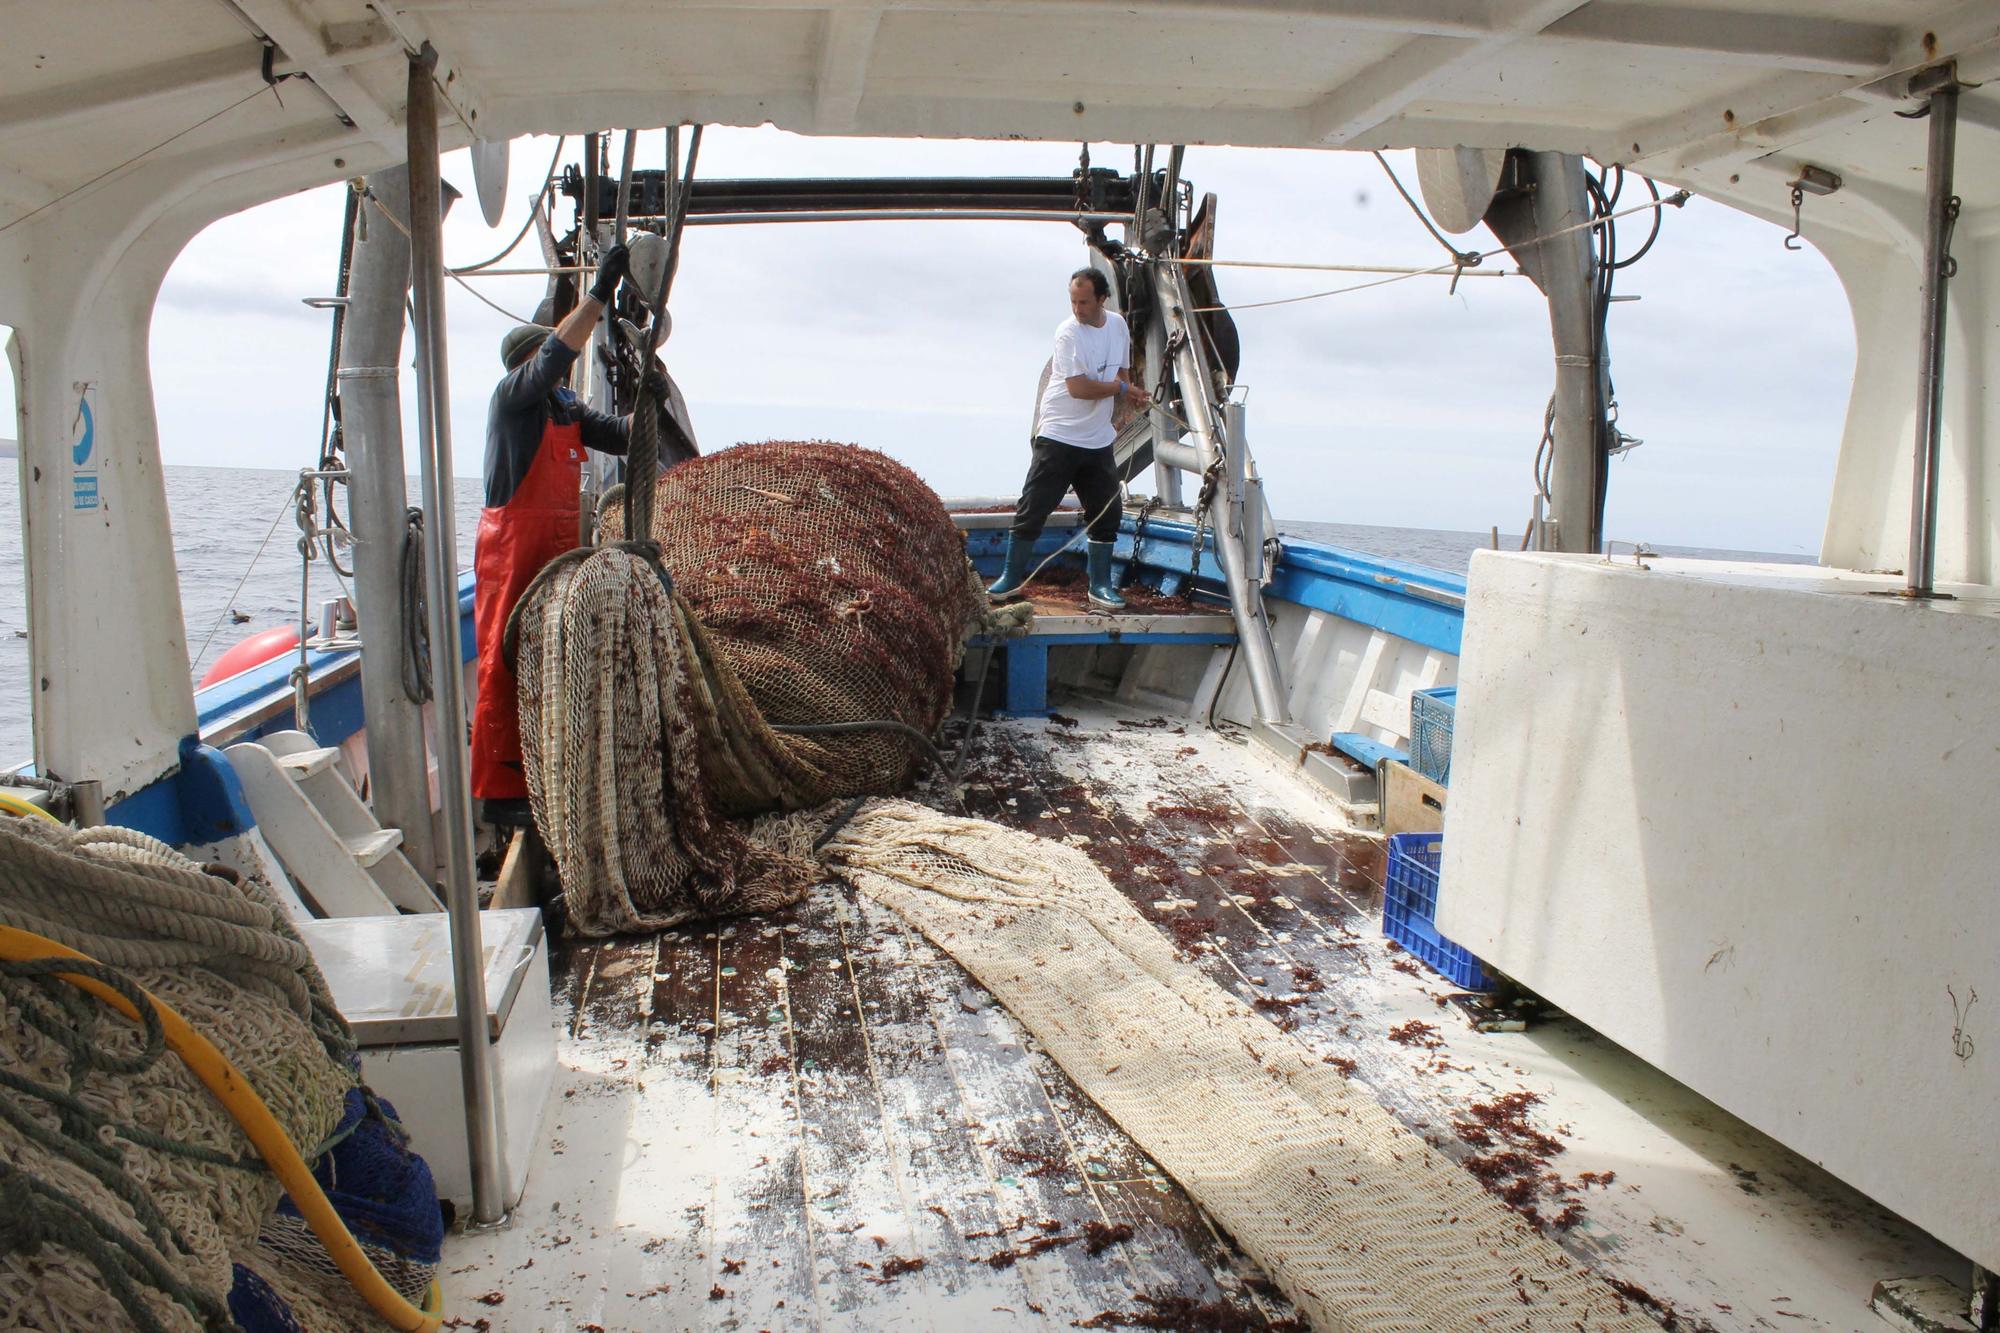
{"x": 1362, "y": 1223}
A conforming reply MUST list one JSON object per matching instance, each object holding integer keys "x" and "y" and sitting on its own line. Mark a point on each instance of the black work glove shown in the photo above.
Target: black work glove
{"x": 612, "y": 267}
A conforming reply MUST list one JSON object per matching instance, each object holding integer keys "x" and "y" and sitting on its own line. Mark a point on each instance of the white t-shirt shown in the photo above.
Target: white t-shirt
{"x": 1095, "y": 353}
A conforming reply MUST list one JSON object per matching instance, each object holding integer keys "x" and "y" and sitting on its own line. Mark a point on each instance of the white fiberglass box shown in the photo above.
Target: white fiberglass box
{"x": 1741, "y": 819}
{"x": 391, "y": 977}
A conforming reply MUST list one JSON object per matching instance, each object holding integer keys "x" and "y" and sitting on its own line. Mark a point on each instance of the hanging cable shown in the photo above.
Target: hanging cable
{"x": 332, "y": 440}
{"x": 1460, "y": 258}
{"x": 548, "y": 182}
{"x": 399, "y": 225}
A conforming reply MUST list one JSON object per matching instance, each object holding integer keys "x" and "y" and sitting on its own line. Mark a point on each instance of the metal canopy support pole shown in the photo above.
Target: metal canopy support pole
{"x": 1551, "y": 200}
{"x": 1246, "y": 599}
{"x": 1940, "y": 215}
{"x": 1561, "y": 201}
{"x": 371, "y": 346}
{"x": 475, "y": 1053}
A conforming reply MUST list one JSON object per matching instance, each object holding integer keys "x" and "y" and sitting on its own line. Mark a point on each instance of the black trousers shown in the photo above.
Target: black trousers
{"x": 1060, "y": 467}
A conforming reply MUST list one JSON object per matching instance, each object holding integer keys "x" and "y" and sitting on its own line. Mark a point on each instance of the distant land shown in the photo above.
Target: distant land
{"x": 9, "y": 449}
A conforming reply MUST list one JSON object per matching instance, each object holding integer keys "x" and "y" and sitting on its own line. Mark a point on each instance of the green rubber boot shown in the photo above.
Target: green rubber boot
{"x": 1008, "y": 586}
{"x": 1102, "y": 593}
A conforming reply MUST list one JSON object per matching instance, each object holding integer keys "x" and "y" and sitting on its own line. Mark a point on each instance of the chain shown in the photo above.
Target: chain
{"x": 1139, "y": 535}
{"x": 1211, "y": 477}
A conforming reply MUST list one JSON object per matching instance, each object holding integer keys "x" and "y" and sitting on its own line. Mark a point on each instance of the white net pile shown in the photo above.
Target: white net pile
{"x": 127, "y": 1193}
{"x": 1364, "y": 1225}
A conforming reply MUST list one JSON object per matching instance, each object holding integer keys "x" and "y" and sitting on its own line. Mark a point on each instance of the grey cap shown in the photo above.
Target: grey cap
{"x": 520, "y": 340}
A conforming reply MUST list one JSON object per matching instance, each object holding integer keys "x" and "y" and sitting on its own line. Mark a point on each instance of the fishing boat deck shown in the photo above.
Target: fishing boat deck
{"x": 817, "y": 1120}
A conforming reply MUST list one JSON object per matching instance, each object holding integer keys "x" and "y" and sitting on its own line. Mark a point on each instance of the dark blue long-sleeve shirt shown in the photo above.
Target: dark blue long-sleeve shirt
{"x": 527, "y": 398}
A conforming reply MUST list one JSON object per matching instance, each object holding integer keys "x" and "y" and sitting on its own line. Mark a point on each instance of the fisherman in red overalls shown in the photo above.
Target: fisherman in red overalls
{"x": 536, "y": 432}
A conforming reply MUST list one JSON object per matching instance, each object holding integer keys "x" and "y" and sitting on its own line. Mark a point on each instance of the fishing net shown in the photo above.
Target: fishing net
{"x": 1363, "y": 1224}
{"x": 791, "y": 640}
{"x": 121, "y": 1176}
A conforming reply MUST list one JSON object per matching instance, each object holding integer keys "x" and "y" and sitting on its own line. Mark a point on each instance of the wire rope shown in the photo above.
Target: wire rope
{"x": 224, "y": 615}
{"x": 75, "y": 190}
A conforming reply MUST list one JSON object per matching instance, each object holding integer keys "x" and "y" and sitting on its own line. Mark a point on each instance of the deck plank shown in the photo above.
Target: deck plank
{"x": 856, "y": 1184}
{"x": 761, "y": 1245}
{"x": 953, "y": 1188}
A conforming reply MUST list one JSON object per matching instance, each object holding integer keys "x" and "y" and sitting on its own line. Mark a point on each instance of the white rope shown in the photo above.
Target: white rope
{"x": 1403, "y": 269}
{"x": 397, "y": 223}
{"x": 1675, "y": 199}
{"x": 224, "y": 956}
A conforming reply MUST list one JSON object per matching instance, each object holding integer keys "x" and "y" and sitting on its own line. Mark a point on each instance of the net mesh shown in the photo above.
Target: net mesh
{"x": 121, "y": 1176}
{"x": 833, "y": 583}
{"x": 796, "y": 585}
{"x": 1364, "y": 1225}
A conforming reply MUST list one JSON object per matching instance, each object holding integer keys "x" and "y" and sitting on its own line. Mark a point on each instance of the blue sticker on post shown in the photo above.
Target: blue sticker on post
{"x": 83, "y": 487}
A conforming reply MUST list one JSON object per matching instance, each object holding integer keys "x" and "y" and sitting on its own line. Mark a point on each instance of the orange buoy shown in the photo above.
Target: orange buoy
{"x": 256, "y": 650}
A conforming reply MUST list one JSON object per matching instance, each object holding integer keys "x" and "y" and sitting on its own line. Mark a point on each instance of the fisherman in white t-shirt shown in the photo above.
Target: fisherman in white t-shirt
{"x": 1073, "y": 436}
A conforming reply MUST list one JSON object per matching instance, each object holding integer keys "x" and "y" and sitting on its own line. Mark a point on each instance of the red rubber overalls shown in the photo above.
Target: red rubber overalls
{"x": 515, "y": 540}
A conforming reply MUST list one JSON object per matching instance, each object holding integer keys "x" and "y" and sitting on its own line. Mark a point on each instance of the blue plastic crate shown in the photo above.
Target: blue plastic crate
{"x": 1409, "y": 910}
{"x": 1430, "y": 732}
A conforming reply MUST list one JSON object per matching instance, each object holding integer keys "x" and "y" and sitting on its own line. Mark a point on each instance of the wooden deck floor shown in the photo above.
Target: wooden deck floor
{"x": 816, "y": 1120}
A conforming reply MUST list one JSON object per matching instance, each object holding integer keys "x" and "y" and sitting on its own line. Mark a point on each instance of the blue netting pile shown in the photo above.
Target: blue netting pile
{"x": 385, "y": 1195}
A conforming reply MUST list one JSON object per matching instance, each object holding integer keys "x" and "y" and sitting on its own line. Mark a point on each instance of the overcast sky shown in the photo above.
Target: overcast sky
{"x": 1402, "y": 405}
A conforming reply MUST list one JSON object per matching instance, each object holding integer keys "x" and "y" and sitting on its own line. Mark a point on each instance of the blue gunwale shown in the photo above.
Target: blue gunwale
{"x": 1424, "y": 606}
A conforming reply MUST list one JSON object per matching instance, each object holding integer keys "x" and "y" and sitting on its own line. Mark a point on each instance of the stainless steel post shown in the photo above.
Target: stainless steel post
{"x": 1561, "y": 201}
{"x": 371, "y": 346}
{"x": 475, "y": 1052}
{"x": 1548, "y": 197}
{"x": 1246, "y": 599}
{"x": 1940, "y": 213}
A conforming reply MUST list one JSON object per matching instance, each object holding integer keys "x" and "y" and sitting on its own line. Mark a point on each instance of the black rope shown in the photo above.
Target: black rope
{"x": 643, "y": 451}
{"x": 416, "y": 625}
{"x": 840, "y": 821}
{"x": 926, "y": 745}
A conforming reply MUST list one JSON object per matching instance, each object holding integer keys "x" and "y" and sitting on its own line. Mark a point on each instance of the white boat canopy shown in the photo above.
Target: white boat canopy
{"x": 131, "y": 124}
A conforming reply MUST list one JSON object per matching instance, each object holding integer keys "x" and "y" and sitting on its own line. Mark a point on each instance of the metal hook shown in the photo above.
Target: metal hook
{"x": 1798, "y": 202}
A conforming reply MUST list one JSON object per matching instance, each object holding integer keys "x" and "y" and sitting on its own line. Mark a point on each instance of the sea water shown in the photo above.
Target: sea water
{"x": 237, "y": 545}
{"x": 228, "y": 523}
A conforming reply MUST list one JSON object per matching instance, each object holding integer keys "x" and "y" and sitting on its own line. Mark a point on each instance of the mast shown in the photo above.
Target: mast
{"x": 1539, "y": 216}
{"x": 371, "y": 346}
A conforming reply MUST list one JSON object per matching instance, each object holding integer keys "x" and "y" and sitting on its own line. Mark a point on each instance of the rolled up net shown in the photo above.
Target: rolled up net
{"x": 792, "y": 641}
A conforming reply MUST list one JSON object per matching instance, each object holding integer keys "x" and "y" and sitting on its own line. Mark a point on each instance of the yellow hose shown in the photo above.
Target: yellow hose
{"x": 229, "y": 1087}
{"x": 15, "y": 805}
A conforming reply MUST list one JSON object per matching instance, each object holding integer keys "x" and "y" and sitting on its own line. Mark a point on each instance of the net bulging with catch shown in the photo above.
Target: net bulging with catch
{"x": 833, "y": 583}
{"x": 793, "y": 642}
